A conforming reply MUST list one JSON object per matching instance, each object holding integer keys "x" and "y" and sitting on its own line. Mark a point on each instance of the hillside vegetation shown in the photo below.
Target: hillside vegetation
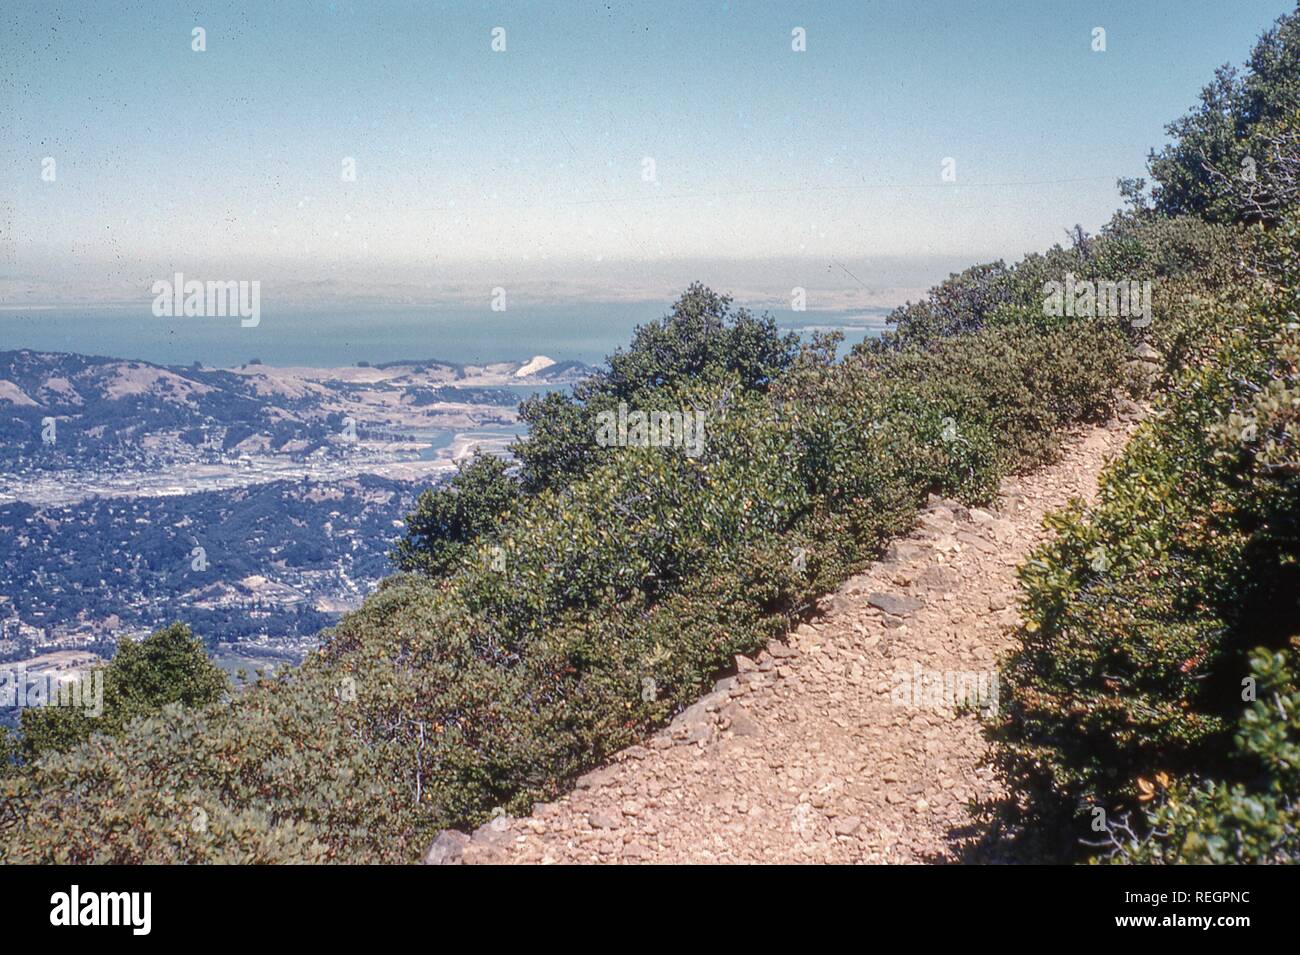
{"x": 546, "y": 618}
{"x": 1153, "y": 704}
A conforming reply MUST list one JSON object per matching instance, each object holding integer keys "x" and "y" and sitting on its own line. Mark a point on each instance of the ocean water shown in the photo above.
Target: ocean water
{"x": 585, "y": 332}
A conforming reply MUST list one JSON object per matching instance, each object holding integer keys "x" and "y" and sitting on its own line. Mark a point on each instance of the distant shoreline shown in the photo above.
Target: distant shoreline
{"x": 330, "y": 339}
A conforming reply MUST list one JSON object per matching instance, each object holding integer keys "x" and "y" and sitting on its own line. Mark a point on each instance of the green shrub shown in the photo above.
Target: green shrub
{"x": 702, "y": 340}
{"x": 168, "y": 666}
{"x": 278, "y": 775}
{"x": 1253, "y": 820}
{"x": 450, "y": 516}
{"x": 587, "y": 614}
{"x": 1233, "y": 131}
{"x": 1144, "y": 613}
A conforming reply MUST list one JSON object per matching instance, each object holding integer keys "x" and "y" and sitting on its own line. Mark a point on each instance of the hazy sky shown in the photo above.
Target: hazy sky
{"x": 530, "y": 164}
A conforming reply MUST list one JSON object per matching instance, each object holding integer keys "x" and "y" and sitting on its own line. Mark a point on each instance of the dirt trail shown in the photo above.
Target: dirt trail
{"x": 808, "y": 753}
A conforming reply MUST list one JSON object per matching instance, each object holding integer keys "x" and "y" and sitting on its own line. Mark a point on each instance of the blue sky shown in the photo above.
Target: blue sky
{"x": 528, "y": 164}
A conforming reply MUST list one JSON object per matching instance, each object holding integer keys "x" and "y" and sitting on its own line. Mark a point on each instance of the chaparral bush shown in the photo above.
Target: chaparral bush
{"x": 168, "y": 666}
{"x": 447, "y": 518}
{"x": 587, "y": 614}
{"x": 1222, "y": 164}
{"x": 1144, "y": 612}
{"x": 278, "y": 776}
{"x": 1151, "y": 703}
{"x": 1252, "y": 813}
{"x": 702, "y": 340}
{"x": 552, "y": 616}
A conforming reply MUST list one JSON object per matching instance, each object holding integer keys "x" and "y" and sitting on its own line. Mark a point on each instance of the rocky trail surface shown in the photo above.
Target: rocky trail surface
{"x": 813, "y": 751}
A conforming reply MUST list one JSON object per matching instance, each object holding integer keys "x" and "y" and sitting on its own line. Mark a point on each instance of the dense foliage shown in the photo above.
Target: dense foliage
{"x": 702, "y": 341}
{"x": 1153, "y": 702}
{"x": 168, "y": 666}
{"x": 589, "y": 613}
{"x": 1232, "y": 157}
{"x": 1145, "y": 613}
{"x": 552, "y": 618}
{"x": 449, "y": 517}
